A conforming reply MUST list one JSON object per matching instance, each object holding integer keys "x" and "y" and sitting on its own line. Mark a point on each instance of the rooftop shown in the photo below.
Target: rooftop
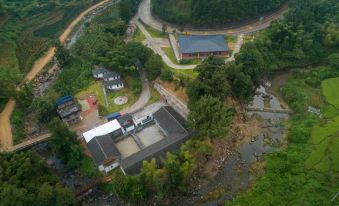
{"x": 102, "y": 148}
{"x": 202, "y": 43}
{"x": 113, "y": 82}
{"x": 111, "y": 74}
{"x": 99, "y": 70}
{"x": 172, "y": 124}
{"x": 104, "y": 129}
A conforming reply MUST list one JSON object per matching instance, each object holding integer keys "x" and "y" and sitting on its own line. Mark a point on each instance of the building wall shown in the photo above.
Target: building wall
{"x": 203, "y": 55}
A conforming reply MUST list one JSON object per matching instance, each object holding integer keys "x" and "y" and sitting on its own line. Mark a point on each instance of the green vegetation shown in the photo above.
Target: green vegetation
{"x": 155, "y": 33}
{"x": 26, "y": 180}
{"x": 27, "y": 29}
{"x": 170, "y": 53}
{"x": 206, "y": 13}
{"x": 131, "y": 91}
{"x": 139, "y": 37}
{"x": 306, "y": 172}
{"x": 102, "y": 44}
{"x": 329, "y": 88}
{"x": 171, "y": 178}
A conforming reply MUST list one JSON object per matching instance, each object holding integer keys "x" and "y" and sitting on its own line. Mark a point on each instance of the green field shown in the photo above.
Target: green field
{"x": 330, "y": 91}
{"x": 325, "y": 135}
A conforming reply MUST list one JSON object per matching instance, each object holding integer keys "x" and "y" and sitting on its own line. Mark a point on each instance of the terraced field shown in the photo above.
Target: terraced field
{"x": 325, "y": 135}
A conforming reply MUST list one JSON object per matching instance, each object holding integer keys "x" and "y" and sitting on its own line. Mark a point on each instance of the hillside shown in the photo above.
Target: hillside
{"x": 27, "y": 29}
{"x": 211, "y": 13}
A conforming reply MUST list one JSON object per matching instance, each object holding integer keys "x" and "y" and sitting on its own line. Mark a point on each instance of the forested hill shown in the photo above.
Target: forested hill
{"x": 211, "y": 13}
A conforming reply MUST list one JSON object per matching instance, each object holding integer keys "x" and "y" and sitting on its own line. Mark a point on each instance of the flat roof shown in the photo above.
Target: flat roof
{"x": 104, "y": 129}
{"x": 202, "y": 43}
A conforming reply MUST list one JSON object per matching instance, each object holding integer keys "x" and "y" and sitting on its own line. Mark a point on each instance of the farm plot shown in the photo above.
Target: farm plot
{"x": 330, "y": 91}
{"x": 325, "y": 136}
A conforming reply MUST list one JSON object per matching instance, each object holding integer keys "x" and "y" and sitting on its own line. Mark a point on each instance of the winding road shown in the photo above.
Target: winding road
{"x": 144, "y": 14}
{"x": 6, "y": 137}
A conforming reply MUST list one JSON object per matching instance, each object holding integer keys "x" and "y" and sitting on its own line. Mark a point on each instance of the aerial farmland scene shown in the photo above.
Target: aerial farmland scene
{"x": 169, "y": 102}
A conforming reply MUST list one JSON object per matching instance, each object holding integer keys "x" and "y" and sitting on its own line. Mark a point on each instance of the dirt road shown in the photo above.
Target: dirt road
{"x": 6, "y": 138}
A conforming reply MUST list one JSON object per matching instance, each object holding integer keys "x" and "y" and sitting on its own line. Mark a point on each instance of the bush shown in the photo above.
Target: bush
{"x": 166, "y": 75}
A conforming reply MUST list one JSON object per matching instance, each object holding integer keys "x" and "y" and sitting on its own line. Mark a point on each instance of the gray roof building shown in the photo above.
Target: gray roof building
{"x": 111, "y": 75}
{"x": 202, "y": 43}
{"x": 99, "y": 70}
{"x": 102, "y": 148}
{"x": 113, "y": 83}
{"x": 172, "y": 125}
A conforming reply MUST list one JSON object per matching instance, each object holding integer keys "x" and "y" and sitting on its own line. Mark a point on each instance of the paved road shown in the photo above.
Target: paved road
{"x": 6, "y": 137}
{"x": 144, "y": 96}
{"x": 153, "y": 44}
{"x": 144, "y": 13}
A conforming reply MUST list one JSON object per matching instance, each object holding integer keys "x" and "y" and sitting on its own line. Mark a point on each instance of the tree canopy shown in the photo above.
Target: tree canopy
{"x": 208, "y": 13}
{"x": 26, "y": 180}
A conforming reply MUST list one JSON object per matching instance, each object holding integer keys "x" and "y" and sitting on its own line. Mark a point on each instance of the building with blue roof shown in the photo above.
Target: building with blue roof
{"x": 201, "y": 46}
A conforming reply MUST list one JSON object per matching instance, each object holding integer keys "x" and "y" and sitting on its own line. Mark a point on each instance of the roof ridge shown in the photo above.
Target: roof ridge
{"x": 102, "y": 150}
{"x": 175, "y": 119}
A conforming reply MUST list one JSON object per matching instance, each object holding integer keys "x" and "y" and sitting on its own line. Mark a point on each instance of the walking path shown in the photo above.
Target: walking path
{"x": 237, "y": 48}
{"x": 144, "y": 13}
{"x": 144, "y": 96}
{"x": 173, "y": 101}
{"x": 6, "y": 137}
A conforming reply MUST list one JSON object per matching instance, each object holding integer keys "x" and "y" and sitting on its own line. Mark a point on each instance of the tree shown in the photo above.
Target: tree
{"x": 65, "y": 144}
{"x": 62, "y": 56}
{"x": 209, "y": 117}
{"x": 164, "y": 29}
{"x": 212, "y": 80}
{"x": 154, "y": 178}
{"x": 2, "y": 7}
{"x": 153, "y": 66}
{"x": 26, "y": 180}
{"x": 175, "y": 175}
{"x": 25, "y": 96}
{"x": 252, "y": 62}
{"x": 334, "y": 60}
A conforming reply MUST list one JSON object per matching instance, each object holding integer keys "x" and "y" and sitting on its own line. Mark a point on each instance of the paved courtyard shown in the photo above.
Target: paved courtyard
{"x": 150, "y": 135}
{"x": 127, "y": 147}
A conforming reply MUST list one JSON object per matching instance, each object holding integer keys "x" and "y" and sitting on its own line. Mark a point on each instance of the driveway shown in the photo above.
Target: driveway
{"x": 144, "y": 13}
{"x": 144, "y": 96}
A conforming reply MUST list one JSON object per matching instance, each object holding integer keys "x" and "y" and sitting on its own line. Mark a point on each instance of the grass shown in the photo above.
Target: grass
{"x": 17, "y": 122}
{"x": 155, "y": 33}
{"x": 321, "y": 132}
{"x": 170, "y": 53}
{"x": 97, "y": 89}
{"x": 333, "y": 152}
{"x": 323, "y": 166}
{"x": 155, "y": 96}
{"x": 325, "y": 136}
{"x": 88, "y": 167}
{"x": 317, "y": 154}
{"x": 231, "y": 38}
{"x": 329, "y": 88}
{"x": 138, "y": 36}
